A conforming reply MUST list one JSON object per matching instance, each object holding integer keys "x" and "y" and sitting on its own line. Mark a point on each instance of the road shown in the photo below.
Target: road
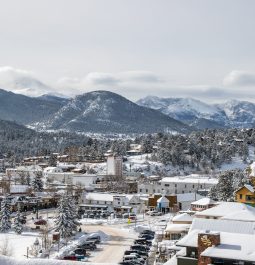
{"x": 112, "y": 251}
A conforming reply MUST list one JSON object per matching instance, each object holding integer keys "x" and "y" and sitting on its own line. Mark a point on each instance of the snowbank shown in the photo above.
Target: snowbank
{"x": 12, "y": 261}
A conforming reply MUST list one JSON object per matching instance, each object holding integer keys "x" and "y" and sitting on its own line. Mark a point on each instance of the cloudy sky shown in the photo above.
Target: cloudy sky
{"x": 193, "y": 48}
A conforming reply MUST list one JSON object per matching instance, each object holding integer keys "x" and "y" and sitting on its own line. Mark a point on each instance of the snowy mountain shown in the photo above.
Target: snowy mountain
{"x": 24, "y": 109}
{"x": 104, "y": 111}
{"x": 50, "y": 97}
{"x": 187, "y": 110}
{"x": 239, "y": 113}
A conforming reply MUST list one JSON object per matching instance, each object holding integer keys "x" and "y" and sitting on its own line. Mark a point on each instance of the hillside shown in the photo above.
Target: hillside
{"x": 25, "y": 110}
{"x": 104, "y": 111}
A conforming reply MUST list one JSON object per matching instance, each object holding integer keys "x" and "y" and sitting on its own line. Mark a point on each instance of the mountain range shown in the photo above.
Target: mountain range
{"x": 95, "y": 112}
{"x": 107, "y": 112}
{"x": 231, "y": 114}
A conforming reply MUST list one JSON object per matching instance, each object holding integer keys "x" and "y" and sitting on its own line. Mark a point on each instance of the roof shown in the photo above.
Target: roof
{"x": 231, "y": 226}
{"x": 100, "y": 197}
{"x": 188, "y": 197}
{"x": 163, "y": 199}
{"x": 184, "y": 217}
{"x": 225, "y": 208}
{"x": 233, "y": 247}
{"x": 249, "y": 187}
{"x": 203, "y": 202}
{"x": 177, "y": 228}
{"x": 193, "y": 178}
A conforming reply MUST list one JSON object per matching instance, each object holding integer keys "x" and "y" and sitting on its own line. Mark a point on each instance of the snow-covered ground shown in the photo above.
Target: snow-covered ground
{"x": 18, "y": 244}
{"x": 238, "y": 163}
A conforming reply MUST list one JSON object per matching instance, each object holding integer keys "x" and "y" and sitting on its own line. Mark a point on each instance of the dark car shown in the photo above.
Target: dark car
{"x": 94, "y": 238}
{"x": 141, "y": 253}
{"x": 80, "y": 251}
{"x": 146, "y": 237}
{"x": 88, "y": 245}
{"x": 142, "y": 241}
{"x": 148, "y": 232}
{"x": 140, "y": 247}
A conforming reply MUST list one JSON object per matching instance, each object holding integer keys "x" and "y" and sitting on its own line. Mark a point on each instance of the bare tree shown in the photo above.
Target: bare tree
{"x": 5, "y": 248}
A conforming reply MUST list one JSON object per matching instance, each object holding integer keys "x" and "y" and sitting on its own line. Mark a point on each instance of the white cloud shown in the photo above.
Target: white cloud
{"x": 22, "y": 82}
{"x": 239, "y": 79}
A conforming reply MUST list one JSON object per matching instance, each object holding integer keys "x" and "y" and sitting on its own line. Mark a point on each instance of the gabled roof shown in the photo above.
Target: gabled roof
{"x": 184, "y": 217}
{"x": 200, "y": 225}
{"x": 225, "y": 208}
{"x": 248, "y": 187}
{"x": 203, "y": 202}
{"x": 233, "y": 247}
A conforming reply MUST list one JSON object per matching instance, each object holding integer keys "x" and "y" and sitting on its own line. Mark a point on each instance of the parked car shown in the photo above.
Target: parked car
{"x": 88, "y": 245}
{"x": 147, "y": 232}
{"x": 80, "y": 251}
{"x": 71, "y": 257}
{"x": 143, "y": 242}
{"x": 140, "y": 247}
{"x": 94, "y": 238}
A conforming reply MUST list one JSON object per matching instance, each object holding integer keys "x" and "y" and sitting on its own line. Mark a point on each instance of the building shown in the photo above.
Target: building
{"x": 246, "y": 195}
{"x": 112, "y": 202}
{"x": 179, "y": 184}
{"x": 114, "y": 166}
{"x": 202, "y": 204}
{"x": 217, "y": 242}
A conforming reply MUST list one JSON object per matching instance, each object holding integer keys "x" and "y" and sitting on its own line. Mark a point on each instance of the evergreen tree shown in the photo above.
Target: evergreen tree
{"x": 37, "y": 183}
{"x": 18, "y": 226}
{"x": 5, "y": 216}
{"x": 66, "y": 221}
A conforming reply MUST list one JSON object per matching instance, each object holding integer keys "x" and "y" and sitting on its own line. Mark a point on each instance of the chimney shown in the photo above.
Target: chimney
{"x": 206, "y": 240}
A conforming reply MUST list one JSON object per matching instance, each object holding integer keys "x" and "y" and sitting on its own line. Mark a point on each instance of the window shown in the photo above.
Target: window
{"x": 201, "y": 186}
{"x": 185, "y": 185}
{"x": 146, "y": 190}
{"x": 175, "y": 185}
{"x": 141, "y": 190}
{"x": 166, "y": 185}
{"x": 241, "y": 196}
{"x": 193, "y": 186}
{"x": 248, "y": 197}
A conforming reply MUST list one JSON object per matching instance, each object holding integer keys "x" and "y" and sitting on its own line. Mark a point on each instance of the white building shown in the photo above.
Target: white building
{"x": 114, "y": 166}
{"x": 179, "y": 184}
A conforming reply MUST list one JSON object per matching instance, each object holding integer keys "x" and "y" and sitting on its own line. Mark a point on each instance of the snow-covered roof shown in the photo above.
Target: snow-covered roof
{"x": 188, "y": 197}
{"x": 233, "y": 247}
{"x": 249, "y": 187}
{"x": 177, "y": 228}
{"x": 163, "y": 199}
{"x": 225, "y": 208}
{"x": 203, "y": 202}
{"x": 243, "y": 215}
{"x": 193, "y": 178}
{"x": 220, "y": 225}
{"x": 184, "y": 217}
{"x": 100, "y": 196}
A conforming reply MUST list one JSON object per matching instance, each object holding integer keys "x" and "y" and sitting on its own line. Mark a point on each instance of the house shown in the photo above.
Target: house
{"x": 202, "y": 204}
{"x": 184, "y": 200}
{"x": 111, "y": 202}
{"x": 229, "y": 210}
{"x": 246, "y": 194}
{"x": 169, "y": 202}
{"x": 179, "y": 226}
{"x": 177, "y": 185}
{"x": 212, "y": 241}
